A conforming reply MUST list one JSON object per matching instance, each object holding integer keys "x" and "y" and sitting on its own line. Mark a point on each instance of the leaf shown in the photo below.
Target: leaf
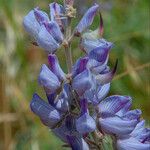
{"x": 107, "y": 143}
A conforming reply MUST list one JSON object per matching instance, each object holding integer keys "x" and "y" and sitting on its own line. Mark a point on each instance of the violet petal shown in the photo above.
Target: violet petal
{"x": 106, "y": 77}
{"x": 46, "y": 41}
{"x": 131, "y": 144}
{"x": 82, "y": 82}
{"x": 103, "y": 91}
{"x": 112, "y": 104}
{"x": 85, "y": 124}
{"x": 87, "y": 19}
{"x": 48, "y": 114}
{"x": 31, "y": 24}
{"x": 116, "y": 125}
{"x": 41, "y": 16}
{"x": 77, "y": 143}
{"x": 48, "y": 79}
{"x": 53, "y": 28}
{"x": 55, "y": 67}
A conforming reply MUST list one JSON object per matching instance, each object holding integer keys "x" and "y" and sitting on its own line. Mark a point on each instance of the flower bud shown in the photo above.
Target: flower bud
{"x": 41, "y": 16}
{"x": 48, "y": 115}
{"x": 55, "y": 67}
{"x": 46, "y": 41}
{"x": 82, "y": 82}
{"x": 31, "y": 24}
{"x": 85, "y": 123}
{"x": 53, "y": 28}
{"x": 48, "y": 79}
{"x": 87, "y": 19}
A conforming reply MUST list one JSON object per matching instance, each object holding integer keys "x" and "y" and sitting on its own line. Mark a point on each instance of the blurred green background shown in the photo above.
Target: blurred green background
{"x": 126, "y": 24}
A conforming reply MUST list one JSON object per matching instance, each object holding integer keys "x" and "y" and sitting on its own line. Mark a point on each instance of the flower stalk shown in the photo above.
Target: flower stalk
{"x": 78, "y": 109}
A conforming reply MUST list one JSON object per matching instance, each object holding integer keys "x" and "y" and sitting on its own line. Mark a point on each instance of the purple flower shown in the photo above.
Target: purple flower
{"x": 67, "y": 128}
{"x": 46, "y": 33}
{"x": 48, "y": 115}
{"x": 77, "y": 143}
{"x": 82, "y": 82}
{"x": 132, "y": 144}
{"x": 106, "y": 76}
{"x": 55, "y": 67}
{"x": 85, "y": 123}
{"x": 46, "y": 40}
{"x": 103, "y": 91}
{"x": 53, "y": 28}
{"x": 48, "y": 79}
{"x": 88, "y": 44}
{"x": 80, "y": 66}
{"x": 139, "y": 139}
{"x": 97, "y": 93}
{"x": 77, "y": 106}
{"x": 33, "y": 20}
{"x": 56, "y": 14}
{"x": 62, "y": 102}
{"x": 87, "y": 19}
{"x": 31, "y": 24}
{"x": 113, "y": 123}
{"x": 40, "y": 16}
{"x": 99, "y": 54}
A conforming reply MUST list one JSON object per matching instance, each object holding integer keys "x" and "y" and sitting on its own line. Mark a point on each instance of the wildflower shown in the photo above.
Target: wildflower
{"x": 114, "y": 123}
{"x": 46, "y": 41}
{"x": 77, "y": 143}
{"x": 85, "y": 123}
{"x": 82, "y": 82}
{"x": 48, "y": 79}
{"x": 55, "y": 67}
{"x": 78, "y": 107}
{"x": 56, "y": 14}
{"x": 139, "y": 139}
{"x": 87, "y": 19}
{"x": 48, "y": 115}
{"x": 46, "y": 33}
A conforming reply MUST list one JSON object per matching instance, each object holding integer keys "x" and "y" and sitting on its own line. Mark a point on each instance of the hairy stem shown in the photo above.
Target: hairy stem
{"x": 68, "y": 53}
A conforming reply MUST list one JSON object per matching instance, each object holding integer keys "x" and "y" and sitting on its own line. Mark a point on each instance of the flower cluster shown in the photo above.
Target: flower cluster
{"x": 78, "y": 111}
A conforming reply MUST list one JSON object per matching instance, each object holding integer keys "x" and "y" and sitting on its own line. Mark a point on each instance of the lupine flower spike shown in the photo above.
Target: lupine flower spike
{"x": 78, "y": 110}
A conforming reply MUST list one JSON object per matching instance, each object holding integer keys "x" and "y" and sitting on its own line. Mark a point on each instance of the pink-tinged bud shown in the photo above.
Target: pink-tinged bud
{"x": 101, "y": 27}
{"x": 87, "y": 19}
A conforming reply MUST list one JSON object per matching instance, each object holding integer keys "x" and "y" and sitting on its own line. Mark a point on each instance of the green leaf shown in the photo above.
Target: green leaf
{"x": 107, "y": 143}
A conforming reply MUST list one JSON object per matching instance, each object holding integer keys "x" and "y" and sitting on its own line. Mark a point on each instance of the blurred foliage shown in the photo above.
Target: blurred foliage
{"x": 126, "y": 24}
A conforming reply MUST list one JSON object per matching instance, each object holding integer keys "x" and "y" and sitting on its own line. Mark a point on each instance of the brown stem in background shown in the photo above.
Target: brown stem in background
{"x": 136, "y": 69}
